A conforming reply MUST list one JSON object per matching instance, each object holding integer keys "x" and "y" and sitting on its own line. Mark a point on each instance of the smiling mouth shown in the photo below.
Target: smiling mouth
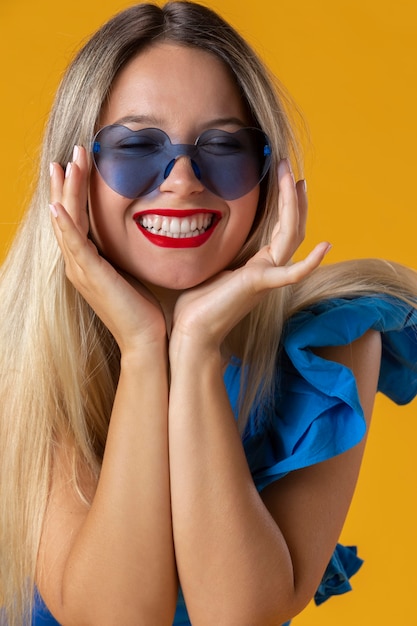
{"x": 177, "y": 229}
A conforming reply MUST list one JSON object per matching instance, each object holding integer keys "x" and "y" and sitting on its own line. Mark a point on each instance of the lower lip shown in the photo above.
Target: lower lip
{"x": 178, "y": 242}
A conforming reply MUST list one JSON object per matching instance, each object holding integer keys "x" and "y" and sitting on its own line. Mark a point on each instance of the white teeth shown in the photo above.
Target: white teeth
{"x": 185, "y": 226}
{"x": 177, "y": 227}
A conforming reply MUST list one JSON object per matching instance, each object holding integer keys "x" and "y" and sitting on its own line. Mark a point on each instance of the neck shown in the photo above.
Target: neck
{"x": 167, "y": 299}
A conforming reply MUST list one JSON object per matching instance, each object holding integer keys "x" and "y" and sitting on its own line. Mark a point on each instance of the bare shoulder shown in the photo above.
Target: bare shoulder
{"x": 368, "y": 345}
{"x": 363, "y": 357}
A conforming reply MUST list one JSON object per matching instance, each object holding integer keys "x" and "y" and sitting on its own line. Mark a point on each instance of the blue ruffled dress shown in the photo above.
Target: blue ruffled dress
{"x": 316, "y": 412}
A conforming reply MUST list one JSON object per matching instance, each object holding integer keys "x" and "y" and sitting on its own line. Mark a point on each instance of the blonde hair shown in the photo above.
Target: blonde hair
{"x": 59, "y": 365}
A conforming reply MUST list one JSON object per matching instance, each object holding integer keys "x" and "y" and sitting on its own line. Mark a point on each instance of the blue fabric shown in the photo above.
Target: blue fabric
{"x": 316, "y": 413}
{"x": 181, "y": 616}
{"x": 343, "y": 565}
{"x": 41, "y": 616}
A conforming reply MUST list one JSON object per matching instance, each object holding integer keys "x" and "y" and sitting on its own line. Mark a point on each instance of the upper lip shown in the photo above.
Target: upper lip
{"x": 176, "y": 212}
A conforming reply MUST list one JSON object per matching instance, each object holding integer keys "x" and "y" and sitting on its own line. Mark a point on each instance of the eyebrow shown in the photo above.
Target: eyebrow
{"x": 138, "y": 119}
{"x": 150, "y": 119}
{"x": 226, "y": 121}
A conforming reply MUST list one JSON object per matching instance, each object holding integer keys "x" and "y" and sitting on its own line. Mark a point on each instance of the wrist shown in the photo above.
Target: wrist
{"x": 149, "y": 355}
{"x": 186, "y": 351}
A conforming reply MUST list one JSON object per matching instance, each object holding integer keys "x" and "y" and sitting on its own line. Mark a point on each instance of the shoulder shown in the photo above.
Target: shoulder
{"x": 334, "y": 357}
{"x": 363, "y": 358}
{"x": 342, "y": 322}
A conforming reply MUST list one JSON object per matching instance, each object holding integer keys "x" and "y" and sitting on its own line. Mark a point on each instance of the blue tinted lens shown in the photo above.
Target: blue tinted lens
{"x": 130, "y": 162}
{"x": 232, "y": 164}
{"x": 134, "y": 163}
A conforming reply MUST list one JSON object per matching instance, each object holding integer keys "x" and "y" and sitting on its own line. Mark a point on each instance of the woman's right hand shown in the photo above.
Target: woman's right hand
{"x": 126, "y": 307}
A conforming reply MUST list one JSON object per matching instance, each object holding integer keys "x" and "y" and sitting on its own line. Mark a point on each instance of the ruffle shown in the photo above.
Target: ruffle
{"x": 336, "y": 579}
{"x": 316, "y": 414}
{"x": 341, "y": 321}
{"x": 343, "y": 565}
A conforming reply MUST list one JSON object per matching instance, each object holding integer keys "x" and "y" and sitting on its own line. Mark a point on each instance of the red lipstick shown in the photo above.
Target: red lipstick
{"x": 172, "y": 228}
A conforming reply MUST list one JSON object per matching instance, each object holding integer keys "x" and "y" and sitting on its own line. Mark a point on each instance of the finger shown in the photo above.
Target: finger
{"x": 294, "y": 273}
{"x": 57, "y": 182}
{"x": 300, "y": 270}
{"x": 75, "y": 188}
{"x": 85, "y": 269}
{"x": 75, "y": 246}
{"x": 90, "y": 274}
{"x": 123, "y": 304}
{"x": 81, "y": 160}
{"x": 56, "y": 229}
{"x": 285, "y": 238}
{"x": 70, "y": 188}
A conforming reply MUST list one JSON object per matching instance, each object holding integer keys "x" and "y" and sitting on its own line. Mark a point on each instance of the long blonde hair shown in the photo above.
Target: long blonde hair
{"x": 59, "y": 364}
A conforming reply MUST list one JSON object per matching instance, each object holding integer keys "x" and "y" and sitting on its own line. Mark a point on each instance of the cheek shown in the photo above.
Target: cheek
{"x": 106, "y": 213}
{"x": 243, "y": 212}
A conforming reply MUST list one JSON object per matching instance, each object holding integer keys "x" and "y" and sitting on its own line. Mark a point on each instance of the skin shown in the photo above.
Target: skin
{"x": 175, "y": 499}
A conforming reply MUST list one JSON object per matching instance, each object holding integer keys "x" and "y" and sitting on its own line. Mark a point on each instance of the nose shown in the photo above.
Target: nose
{"x": 182, "y": 177}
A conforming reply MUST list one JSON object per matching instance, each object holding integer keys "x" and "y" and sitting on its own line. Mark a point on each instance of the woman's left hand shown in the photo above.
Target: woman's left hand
{"x": 207, "y": 313}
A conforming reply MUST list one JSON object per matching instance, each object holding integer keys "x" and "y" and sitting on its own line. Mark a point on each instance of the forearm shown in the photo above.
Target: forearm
{"x": 121, "y": 568}
{"x": 233, "y": 562}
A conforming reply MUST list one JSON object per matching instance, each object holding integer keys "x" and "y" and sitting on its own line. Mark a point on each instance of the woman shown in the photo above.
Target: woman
{"x": 160, "y": 304}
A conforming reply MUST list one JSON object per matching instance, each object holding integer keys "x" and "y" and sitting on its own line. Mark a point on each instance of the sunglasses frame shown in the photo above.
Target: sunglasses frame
{"x": 227, "y": 182}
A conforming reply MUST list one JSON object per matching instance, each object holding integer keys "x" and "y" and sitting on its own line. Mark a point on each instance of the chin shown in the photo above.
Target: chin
{"x": 178, "y": 285}
{"x": 178, "y": 281}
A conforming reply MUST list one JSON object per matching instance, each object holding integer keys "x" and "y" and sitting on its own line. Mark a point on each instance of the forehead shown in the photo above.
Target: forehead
{"x": 175, "y": 84}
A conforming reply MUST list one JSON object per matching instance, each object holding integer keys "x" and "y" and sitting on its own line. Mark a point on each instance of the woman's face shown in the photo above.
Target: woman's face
{"x": 184, "y": 92}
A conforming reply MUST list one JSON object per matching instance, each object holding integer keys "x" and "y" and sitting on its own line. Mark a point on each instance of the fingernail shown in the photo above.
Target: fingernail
{"x": 53, "y": 210}
{"x": 68, "y": 170}
{"x": 304, "y": 182}
{"x": 51, "y": 169}
{"x": 75, "y": 153}
{"x": 329, "y": 247}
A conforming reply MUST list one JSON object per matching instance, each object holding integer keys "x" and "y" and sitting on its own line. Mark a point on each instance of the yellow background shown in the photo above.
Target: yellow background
{"x": 351, "y": 66}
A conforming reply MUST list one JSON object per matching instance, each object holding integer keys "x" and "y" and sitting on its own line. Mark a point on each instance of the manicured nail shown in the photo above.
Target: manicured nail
{"x": 51, "y": 169}
{"x": 68, "y": 170}
{"x": 53, "y": 210}
{"x": 329, "y": 247}
{"x": 75, "y": 153}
